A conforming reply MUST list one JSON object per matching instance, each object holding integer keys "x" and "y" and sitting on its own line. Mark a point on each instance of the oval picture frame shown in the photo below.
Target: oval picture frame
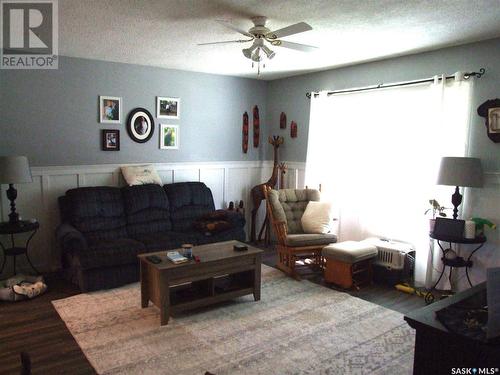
{"x": 140, "y": 125}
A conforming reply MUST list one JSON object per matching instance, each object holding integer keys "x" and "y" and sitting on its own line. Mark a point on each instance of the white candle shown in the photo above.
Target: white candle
{"x": 470, "y": 230}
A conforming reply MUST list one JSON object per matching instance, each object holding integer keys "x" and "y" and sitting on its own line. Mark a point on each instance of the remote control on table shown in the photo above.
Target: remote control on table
{"x": 153, "y": 259}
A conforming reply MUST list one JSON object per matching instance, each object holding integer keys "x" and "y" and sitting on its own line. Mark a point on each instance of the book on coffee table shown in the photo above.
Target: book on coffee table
{"x": 175, "y": 257}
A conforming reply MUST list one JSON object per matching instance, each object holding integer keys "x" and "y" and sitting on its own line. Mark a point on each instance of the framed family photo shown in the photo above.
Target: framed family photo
{"x": 110, "y": 140}
{"x": 110, "y": 108}
{"x": 168, "y": 107}
{"x": 169, "y": 137}
{"x": 140, "y": 125}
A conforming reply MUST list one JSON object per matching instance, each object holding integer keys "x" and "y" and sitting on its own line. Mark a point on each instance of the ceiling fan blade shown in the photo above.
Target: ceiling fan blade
{"x": 225, "y": 42}
{"x": 295, "y": 46}
{"x": 289, "y": 30}
{"x": 234, "y": 28}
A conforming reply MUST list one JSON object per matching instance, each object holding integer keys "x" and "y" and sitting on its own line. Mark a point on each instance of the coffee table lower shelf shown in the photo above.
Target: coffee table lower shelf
{"x": 210, "y": 300}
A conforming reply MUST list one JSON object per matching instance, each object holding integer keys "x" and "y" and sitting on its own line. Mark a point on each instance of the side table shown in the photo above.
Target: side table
{"x": 22, "y": 226}
{"x": 457, "y": 262}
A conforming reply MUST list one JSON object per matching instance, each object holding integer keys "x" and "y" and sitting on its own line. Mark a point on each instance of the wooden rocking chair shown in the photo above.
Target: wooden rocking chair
{"x": 294, "y": 245}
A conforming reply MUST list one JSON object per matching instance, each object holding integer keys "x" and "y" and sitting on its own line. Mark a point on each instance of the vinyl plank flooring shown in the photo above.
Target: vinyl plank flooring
{"x": 35, "y": 327}
{"x": 383, "y": 295}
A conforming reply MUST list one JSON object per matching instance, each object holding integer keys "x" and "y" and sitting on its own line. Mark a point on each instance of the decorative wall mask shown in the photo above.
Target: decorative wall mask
{"x": 283, "y": 120}
{"x": 256, "y": 126}
{"x": 293, "y": 129}
{"x": 244, "y": 140}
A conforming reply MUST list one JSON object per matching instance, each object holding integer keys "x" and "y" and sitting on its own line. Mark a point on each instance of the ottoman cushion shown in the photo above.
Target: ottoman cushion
{"x": 310, "y": 239}
{"x": 350, "y": 251}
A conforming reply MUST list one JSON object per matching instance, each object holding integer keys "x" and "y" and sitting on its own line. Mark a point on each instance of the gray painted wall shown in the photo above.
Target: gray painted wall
{"x": 288, "y": 95}
{"x": 52, "y": 115}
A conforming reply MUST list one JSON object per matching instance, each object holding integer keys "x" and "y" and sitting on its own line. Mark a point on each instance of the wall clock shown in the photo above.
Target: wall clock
{"x": 490, "y": 110}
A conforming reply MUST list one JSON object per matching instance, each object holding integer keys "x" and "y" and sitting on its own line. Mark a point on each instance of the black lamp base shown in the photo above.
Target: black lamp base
{"x": 12, "y": 195}
{"x": 456, "y": 200}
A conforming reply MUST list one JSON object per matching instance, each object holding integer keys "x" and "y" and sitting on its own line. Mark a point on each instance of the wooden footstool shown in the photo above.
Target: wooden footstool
{"x": 348, "y": 263}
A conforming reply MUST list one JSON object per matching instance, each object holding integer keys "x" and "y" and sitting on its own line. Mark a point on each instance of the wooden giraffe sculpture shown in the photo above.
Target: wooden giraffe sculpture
{"x": 257, "y": 192}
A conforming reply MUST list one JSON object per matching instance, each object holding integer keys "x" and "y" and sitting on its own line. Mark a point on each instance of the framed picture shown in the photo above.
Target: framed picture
{"x": 168, "y": 107}
{"x": 140, "y": 125}
{"x": 110, "y": 140}
{"x": 169, "y": 137}
{"x": 110, "y": 109}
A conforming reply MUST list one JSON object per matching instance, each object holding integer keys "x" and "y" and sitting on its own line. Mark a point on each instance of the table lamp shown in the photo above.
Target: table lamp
{"x": 14, "y": 170}
{"x": 460, "y": 171}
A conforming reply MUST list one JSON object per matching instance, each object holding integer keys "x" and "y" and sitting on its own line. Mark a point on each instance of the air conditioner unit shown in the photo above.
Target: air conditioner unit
{"x": 395, "y": 261}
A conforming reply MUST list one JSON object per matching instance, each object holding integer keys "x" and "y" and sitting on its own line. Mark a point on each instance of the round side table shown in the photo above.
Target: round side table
{"x": 22, "y": 226}
{"x": 457, "y": 262}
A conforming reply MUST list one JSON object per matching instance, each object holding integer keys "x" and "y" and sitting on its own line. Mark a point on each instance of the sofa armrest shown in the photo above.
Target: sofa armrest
{"x": 69, "y": 238}
{"x": 236, "y": 219}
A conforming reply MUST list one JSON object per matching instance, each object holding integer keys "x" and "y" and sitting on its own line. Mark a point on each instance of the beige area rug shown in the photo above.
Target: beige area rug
{"x": 296, "y": 328}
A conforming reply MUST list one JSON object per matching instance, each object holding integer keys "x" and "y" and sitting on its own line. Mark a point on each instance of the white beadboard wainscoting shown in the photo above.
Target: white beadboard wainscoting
{"x": 229, "y": 181}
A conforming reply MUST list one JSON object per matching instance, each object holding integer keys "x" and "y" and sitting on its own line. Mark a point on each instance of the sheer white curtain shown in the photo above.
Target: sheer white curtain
{"x": 376, "y": 154}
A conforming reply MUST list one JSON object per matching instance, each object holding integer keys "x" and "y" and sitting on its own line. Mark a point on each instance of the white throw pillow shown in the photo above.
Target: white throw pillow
{"x": 317, "y": 218}
{"x": 141, "y": 175}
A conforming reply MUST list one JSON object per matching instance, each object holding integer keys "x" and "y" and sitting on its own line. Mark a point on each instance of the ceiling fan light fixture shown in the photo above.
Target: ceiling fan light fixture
{"x": 269, "y": 53}
{"x": 247, "y": 52}
{"x": 256, "y": 55}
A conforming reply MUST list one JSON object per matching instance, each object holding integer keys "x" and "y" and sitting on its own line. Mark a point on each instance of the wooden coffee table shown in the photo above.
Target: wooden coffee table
{"x": 222, "y": 274}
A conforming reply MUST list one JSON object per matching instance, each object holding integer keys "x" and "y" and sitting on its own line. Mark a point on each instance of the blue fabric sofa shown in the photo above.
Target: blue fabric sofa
{"x": 104, "y": 228}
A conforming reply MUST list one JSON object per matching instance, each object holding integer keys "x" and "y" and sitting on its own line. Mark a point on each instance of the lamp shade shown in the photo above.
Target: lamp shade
{"x": 14, "y": 170}
{"x": 460, "y": 171}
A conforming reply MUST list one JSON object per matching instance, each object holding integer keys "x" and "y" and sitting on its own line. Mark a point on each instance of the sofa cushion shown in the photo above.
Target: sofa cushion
{"x": 160, "y": 241}
{"x": 147, "y": 209}
{"x": 310, "y": 239}
{"x": 97, "y": 212}
{"x": 108, "y": 253}
{"x": 189, "y": 201}
{"x": 172, "y": 240}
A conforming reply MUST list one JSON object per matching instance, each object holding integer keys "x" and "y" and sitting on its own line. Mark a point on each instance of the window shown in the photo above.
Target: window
{"x": 376, "y": 154}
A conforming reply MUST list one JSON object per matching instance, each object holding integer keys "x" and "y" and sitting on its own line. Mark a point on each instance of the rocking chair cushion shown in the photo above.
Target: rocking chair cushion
{"x": 297, "y": 240}
{"x": 288, "y": 205}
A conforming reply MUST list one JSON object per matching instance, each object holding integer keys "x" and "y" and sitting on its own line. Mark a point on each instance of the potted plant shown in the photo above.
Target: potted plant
{"x": 436, "y": 209}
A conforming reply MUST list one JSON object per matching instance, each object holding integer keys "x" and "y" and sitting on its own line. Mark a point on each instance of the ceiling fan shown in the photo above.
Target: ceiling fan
{"x": 260, "y": 34}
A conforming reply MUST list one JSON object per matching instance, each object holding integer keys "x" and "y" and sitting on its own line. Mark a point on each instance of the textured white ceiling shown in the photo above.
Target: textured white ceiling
{"x": 164, "y": 33}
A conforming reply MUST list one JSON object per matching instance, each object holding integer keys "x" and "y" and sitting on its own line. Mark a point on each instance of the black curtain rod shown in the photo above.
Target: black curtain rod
{"x": 406, "y": 83}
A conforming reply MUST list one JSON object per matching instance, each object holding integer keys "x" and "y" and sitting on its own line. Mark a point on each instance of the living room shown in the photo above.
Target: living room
{"x": 127, "y": 88}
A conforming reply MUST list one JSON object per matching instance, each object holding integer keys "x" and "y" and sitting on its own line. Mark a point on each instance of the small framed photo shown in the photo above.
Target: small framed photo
{"x": 110, "y": 140}
{"x": 168, "y": 107}
{"x": 169, "y": 137}
{"x": 110, "y": 109}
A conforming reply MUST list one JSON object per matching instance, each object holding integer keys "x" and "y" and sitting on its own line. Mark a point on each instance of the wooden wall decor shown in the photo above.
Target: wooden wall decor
{"x": 256, "y": 127}
{"x": 293, "y": 129}
{"x": 257, "y": 192}
{"x": 244, "y": 140}
{"x": 283, "y": 120}
{"x": 490, "y": 110}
